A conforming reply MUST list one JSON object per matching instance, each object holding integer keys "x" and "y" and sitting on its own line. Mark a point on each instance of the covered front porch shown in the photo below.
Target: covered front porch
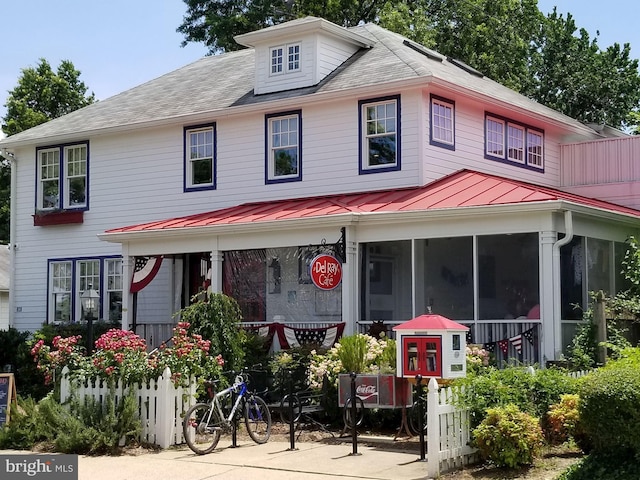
{"x": 507, "y": 259}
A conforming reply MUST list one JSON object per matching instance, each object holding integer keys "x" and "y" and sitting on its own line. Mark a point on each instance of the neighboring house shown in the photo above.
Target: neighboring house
{"x": 5, "y": 285}
{"x": 440, "y": 190}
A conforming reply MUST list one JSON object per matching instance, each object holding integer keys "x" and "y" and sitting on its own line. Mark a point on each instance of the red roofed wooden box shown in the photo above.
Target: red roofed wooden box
{"x": 432, "y": 346}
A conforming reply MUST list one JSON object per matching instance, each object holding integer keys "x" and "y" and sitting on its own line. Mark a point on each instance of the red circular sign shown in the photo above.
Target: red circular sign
{"x": 325, "y": 271}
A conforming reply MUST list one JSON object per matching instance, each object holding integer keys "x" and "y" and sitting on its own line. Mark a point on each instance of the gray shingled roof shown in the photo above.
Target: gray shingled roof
{"x": 225, "y": 81}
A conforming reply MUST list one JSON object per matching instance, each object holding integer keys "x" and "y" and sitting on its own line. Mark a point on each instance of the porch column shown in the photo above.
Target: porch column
{"x": 127, "y": 296}
{"x": 550, "y": 326}
{"x": 350, "y": 284}
{"x": 217, "y": 258}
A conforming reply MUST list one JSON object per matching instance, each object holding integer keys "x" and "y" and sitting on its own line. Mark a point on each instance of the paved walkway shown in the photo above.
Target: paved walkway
{"x": 271, "y": 461}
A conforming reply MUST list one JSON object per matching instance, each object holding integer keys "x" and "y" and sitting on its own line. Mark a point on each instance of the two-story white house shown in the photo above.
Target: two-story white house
{"x": 436, "y": 188}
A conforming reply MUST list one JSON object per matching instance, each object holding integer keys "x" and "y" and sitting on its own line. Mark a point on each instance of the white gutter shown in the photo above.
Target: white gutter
{"x": 557, "y": 297}
{"x": 12, "y": 233}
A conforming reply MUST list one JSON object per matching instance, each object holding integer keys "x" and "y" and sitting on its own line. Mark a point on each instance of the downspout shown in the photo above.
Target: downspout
{"x": 12, "y": 233}
{"x": 557, "y": 297}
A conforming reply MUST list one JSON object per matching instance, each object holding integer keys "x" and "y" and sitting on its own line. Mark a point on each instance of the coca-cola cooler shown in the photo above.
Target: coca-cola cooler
{"x": 376, "y": 391}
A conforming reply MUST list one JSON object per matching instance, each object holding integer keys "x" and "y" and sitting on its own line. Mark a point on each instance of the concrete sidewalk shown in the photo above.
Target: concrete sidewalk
{"x": 271, "y": 461}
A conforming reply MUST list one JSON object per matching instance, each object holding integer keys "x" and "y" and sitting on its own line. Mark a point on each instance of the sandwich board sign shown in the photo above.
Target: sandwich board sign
{"x": 7, "y": 396}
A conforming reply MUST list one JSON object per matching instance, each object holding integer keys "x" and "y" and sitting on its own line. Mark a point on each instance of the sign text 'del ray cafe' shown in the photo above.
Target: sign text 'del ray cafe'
{"x": 325, "y": 271}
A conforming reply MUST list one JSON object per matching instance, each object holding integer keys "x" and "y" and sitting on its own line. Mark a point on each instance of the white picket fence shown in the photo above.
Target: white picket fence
{"x": 161, "y": 405}
{"x": 448, "y": 431}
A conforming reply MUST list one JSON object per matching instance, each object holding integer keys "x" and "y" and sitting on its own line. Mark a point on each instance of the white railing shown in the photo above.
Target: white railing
{"x": 448, "y": 431}
{"x": 161, "y": 405}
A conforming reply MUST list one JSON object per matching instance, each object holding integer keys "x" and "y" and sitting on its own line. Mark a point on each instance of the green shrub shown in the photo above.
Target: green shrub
{"x": 532, "y": 393}
{"x": 562, "y": 419}
{"x": 610, "y": 407}
{"x": 79, "y": 427}
{"x": 601, "y": 466}
{"x": 218, "y": 318}
{"x": 508, "y": 437}
{"x": 24, "y": 429}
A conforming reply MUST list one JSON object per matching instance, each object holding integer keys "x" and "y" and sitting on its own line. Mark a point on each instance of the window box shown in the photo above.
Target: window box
{"x": 58, "y": 217}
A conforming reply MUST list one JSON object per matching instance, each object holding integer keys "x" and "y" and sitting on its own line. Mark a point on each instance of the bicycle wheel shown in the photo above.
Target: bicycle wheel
{"x": 347, "y": 414}
{"x": 257, "y": 418}
{"x": 201, "y": 429}
{"x": 414, "y": 424}
{"x": 285, "y": 409}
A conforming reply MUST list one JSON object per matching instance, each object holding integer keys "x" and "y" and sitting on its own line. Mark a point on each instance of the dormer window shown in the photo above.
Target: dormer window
{"x": 285, "y": 59}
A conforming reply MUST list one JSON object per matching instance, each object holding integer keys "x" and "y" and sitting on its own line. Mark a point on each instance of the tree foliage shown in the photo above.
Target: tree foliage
{"x": 42, "y": 95}
{"x": 545, "y": 58}
{"x": 216, "y": 22}
{"x": 573, "y": 75}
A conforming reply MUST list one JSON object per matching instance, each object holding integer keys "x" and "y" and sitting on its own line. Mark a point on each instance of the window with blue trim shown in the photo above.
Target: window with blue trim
{"x": 442, "y": 123}
{"x": 513, "y": 143}
{"x": 70, "y": 278}
{"x": 283, "y": 134}
{"x": 62, "y": 177}
{"x": 200, "y": 157}
{"x": 379, "y": 134}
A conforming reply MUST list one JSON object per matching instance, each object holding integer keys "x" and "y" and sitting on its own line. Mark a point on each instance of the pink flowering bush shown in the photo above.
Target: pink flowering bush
{"x": 188, "y": 355}
{"x": 121, "y": 355}
{"x": 50, "y": 360}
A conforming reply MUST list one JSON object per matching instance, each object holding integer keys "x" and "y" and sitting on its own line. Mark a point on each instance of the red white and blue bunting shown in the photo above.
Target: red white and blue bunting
{"x": 292, "y": 337}
{"x": 144, "y": 271}
{"x": 517, "y": 342}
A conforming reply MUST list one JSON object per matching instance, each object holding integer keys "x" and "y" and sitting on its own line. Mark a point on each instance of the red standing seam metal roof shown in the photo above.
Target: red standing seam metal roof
{"x": 431, "y": 321}
{"x": 464, "y": 188}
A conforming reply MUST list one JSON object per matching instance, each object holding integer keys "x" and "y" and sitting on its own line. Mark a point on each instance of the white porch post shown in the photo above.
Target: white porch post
{"x": 216, "y": 271}
{"x": 350, "y": 284}
{"x": 127, "y": 296}
{"x": 548, "y": 292}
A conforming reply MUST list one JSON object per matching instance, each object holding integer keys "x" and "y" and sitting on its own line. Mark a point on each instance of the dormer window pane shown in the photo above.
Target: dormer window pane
{"x": 293, "y": 61}
{"x": 276, "y": 60}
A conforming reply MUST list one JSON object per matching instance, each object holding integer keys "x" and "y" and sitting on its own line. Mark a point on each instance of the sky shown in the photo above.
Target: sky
{"x": 118, "y": 44}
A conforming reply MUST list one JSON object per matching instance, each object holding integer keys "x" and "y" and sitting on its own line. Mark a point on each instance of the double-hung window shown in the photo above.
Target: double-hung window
{"x": 60, "y": 291}
{"x": 495, "y": 137}
{"x": 200, "y": 157}
{"x": 113, "y": 293}
{"x": 442, "y": 123}
{"x": 70, "y": 278}
{"x": 379, "y": 134}
{"x": 285, "y": 59}
{"x": 283, "y": 134}
{"x": 62, "y": 177}
{"x": 514, "y": 143}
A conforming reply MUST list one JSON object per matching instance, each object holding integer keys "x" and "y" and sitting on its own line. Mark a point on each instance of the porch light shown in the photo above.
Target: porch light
{"x": 90, "y": 308}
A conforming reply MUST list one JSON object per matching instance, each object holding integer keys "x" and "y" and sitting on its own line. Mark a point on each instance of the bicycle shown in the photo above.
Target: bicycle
{"x": 205, "y": 422}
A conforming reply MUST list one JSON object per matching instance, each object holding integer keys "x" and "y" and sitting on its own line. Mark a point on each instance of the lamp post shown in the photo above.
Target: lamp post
{"x": 90, "y": 303}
